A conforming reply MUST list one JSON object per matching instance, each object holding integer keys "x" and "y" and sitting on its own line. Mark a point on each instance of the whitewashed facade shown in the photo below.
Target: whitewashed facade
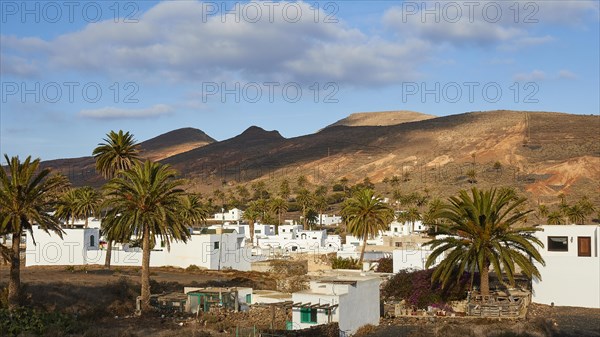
{"x": 81, "y": 246}
{"x": 230, "y": 215}
{"x": 353, "y": 301}
{"x": 571, "y": 276}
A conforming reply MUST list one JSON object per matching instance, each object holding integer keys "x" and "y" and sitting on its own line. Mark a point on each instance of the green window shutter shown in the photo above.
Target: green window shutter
{"x": 248, "y": 298}
{"x": 304, "y": 315}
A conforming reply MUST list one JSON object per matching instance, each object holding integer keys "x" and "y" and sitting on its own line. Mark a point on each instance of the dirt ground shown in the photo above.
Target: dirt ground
{"x": 103, "y": 303}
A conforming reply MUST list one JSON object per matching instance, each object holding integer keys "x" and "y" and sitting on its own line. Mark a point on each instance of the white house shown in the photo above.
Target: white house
{"x": 571, "y": 276}
{"x": 350, "y": 300}
{"x": 231, "y": 215}
{"x": 292, "y": 238}
{"x": 329, "y": 219}
{"x": 209, "y": 249}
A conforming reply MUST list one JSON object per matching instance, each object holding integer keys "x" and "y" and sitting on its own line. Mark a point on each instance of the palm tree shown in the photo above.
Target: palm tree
{"x": 542, "y": 211}
{"x": 575, "y": 214}
{"x": 66, "y": 209}
{"x": 87, "y": 203}
{"x": 586, "y": 206}
{"x": 119, "y": 152}
{"x": 366, "y": 215}
{"x": 278, "y": 205}
{"x": 28, "y": 196}
{"x": 284, "y": 189}
{"x": 483, "y": 233}
{"x": 413, "y": 215}
{"x": 305, "y": 199}
{"x": 146, "y": 201}
{"x": 251, "y": 214}
{"x": 555, "y": 218}
{"x": 193, "y": 210}
{"x": 320, "y": 204}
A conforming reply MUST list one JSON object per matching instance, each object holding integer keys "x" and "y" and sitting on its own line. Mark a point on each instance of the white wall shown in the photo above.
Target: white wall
{"x": 75, "y": 249}
{"x": 358, "y": 304}
{"x": 569, "y": 279}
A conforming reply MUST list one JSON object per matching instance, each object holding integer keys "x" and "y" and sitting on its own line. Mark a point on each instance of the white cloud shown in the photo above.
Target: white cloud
{"x": 121, "y": 113}
{"x": 18, "y": 66}
{"x": 535, "y": 75}
{"x": 175, "y": 41}
{"x": 567, "y": 75}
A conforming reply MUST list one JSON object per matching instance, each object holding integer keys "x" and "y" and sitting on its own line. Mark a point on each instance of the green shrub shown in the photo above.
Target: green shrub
{"x": 341, "y": 263}
{"x": 192, "y": 267}
{"x": 28, "y": 321}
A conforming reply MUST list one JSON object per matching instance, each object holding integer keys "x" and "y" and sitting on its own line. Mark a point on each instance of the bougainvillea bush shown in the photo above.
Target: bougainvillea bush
{"x": 416, "y": 288}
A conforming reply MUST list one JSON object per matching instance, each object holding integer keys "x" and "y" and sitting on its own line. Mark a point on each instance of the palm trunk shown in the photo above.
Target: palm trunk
{"x": 108, "y": 254}
{"x": 14, "y": 283}
{"x": 304, "y": 222}
{"x": 251, "y": 228}
{"x": 484, "y": 281}
{"x": 146, "y": 270}
{"x": 278, "y": 223}
{"x": 362, "y": 251}
{"x": 86, "y": 222}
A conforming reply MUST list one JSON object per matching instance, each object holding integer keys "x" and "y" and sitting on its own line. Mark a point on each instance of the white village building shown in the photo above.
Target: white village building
{"x": 210, "y": 249}
{"x": 571, "y": 276}
{"x": 351, "y": 299}
{"x": 329, "y": 219}
{"x": 234, "y": 215}
{"x": 292, "y": 238}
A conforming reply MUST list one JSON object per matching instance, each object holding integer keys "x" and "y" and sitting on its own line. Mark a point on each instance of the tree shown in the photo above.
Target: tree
{"x": 87, "y": 203}
{"x": 284, "y": 189}
{"x": 305, "y": 199}
{"x": 555, "y": 218}
{"x": 193, "y": 210}
{"x": 587, "y": 207}
{"x": 243, "y": 193}
{"x": 278, "y": 205}
{"x": 320, "y": 204}
{"x": 413, "y": 215}
{"x": 119, "y": 152}
{"x": 472, "y": 176}
{"x": 28, "y": 195}
{"x": 542, "y": 211}
{"x": 483, "y": 232}
{"x": 66, "y": 208}
{"x": 146, "y": 202}
{"x": 366, "y": 214}
{"x": 575, "y": 214}
{"x": 301, "y": 182}
{"x": 251, "y": 214}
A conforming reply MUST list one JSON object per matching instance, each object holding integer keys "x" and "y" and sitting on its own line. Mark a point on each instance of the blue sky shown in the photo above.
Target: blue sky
{"x": 71, "y": 72}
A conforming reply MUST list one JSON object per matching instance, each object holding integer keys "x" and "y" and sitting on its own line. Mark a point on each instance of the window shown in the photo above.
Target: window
{"x": 558, "y": 244}
{"x": 248, "y": 298}
{"x": 398, "y": 244}
{"x": 257, "y": 231}
{"x": 308, "y": 315}
{"x": 396, "y": 229}
{"x": 216, "y": 245}
{"x": 584, "y": 246}
{"x": 92, "y": 241}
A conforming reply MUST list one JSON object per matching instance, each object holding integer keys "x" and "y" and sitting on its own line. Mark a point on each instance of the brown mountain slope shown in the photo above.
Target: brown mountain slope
{"x": 542, "y": 153}
{"x": 174, "y": 142}
{"x": 381, "y": 118}
{"x": 434, "y": 153}
{"x": 82, "y": 170}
